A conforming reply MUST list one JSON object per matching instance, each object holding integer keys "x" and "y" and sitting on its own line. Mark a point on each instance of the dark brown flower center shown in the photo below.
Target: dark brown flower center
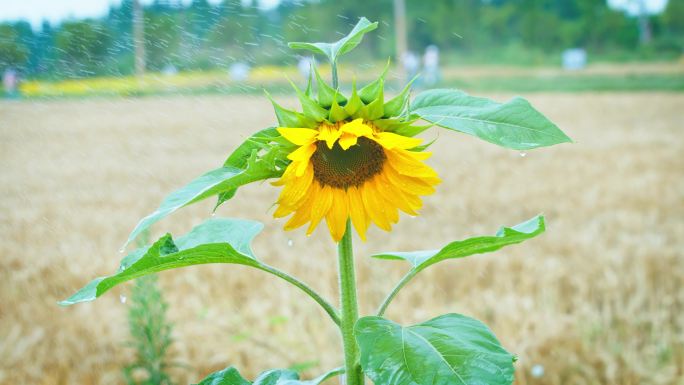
{"x": 341, "y": 168}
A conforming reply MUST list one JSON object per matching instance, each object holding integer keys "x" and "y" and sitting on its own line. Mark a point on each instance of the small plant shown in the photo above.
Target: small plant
{"x": 354, "y": 161}
{"x": 150, "y": 332}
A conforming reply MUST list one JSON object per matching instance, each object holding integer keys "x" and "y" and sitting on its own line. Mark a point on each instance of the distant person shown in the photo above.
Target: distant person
{"x": 411, "y": 64}
{"x": 431, "y": 73}
{"x": 10, "y": 81}
{"x": 304, "y": 66}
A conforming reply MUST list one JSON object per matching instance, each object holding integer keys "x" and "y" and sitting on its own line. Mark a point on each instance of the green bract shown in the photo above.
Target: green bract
{"x": 450, "y": 349}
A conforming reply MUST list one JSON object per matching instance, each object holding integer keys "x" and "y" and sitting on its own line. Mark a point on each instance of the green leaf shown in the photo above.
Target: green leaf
{"x": 337, "y": 113}
{"x": 227, "y": 376}
{"x": 514, "y": 124}
{"x": 334, "y": 50}
{"x": 214, "y": 241}
{"x": 447, "y": 350}
{"x": 223, "y": 179}
{"x": 478, "y": 245}
{"x": 326, "y": 94}
{"x": 230, "y": 376}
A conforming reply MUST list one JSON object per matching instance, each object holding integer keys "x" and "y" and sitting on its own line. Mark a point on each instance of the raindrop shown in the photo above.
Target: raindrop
{"x": 523, "y": 154}
{"x": 537, "y": 370}
{"x": 122, "y": 298}
{"x": 122, "y": 250}
{"x": 213, "y": 214}
{"x": 290, "y": 242}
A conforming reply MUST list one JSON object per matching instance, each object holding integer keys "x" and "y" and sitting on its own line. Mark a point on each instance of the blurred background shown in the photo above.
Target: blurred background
{"x": 107, "y": 106}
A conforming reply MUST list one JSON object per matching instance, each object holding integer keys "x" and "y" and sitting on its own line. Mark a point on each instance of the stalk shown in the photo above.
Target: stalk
{"x": 334, "y": 80}
{"x": 349, "y": 308}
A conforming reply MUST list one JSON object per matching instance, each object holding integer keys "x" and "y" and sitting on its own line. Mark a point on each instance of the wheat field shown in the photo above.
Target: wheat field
{"x": 597, "y": 299}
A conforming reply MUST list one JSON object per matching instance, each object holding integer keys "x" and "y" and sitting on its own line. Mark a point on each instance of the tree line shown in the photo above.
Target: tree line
{"x": 206, "y": 36}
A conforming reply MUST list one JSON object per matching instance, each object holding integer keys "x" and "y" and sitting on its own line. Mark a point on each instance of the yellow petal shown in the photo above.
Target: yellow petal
{"x": 389, "y": 208}
{"x": 298, "y": 136}
{"x": 329, "y": 134}
{"x": 303, "y": 213}
{"x": 357, "y": 128}
{"x": 303, "y": 153}
{"x": 408, "y": 184}
{"x": 405, "y": 164}
{"x": 357, "y": 211}
{"x": 295, "y": 190}
{"x": 338, "y": 214}
{"x": 320, "y": 207}
{"x": 391, "y": 140}
{"x": 347, "y": 140}
{"x": 374, "y": 206}
{"x": 394, "y": 195}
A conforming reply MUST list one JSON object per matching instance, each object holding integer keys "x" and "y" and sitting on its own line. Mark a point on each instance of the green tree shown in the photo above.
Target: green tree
{"x": 82, "y": 47}
{"x": 13, "y": 52}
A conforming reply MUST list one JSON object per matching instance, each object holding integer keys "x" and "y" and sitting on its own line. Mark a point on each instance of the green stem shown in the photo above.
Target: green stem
{"x": 393, "y": 293}
{"x": 349, "y": 309}
{"x": 334, "y": 75}
{"x": 324, "y": 304}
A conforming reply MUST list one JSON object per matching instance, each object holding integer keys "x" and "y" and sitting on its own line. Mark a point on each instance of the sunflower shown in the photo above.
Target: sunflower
{"x": 351, "y": 169}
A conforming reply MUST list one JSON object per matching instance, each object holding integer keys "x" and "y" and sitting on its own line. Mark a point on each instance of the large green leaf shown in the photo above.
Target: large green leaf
{"x": 214, "y": 241}
{"x": 220, "y": 180}
{"x": 514, "y": 124}
{"x": 420, "y": 260}
{"x": 230, "y": 376}
{"x": 447, "y": 350}
{"x": 334, "y": 50}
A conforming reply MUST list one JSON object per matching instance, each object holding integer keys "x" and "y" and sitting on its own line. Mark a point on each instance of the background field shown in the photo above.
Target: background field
{"x": 598, "y": 299}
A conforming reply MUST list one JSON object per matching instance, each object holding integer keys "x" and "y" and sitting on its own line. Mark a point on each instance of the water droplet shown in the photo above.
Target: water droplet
{"x": 122, "y": 298}
{"x": 523, "y": 154}
{"x": 537, "y": 370}
{"x": 213, "y": 214}
{"x": 122, "y": 250}
{"x": 290, "y": 242}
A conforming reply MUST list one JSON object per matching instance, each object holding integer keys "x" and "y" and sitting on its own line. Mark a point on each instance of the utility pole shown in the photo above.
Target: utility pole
{"x": 400, "y": 32}
{"x": 139, "y": 38}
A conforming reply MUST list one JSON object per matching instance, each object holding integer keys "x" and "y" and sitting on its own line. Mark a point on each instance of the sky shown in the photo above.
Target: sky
{"x": 35, "y": 11}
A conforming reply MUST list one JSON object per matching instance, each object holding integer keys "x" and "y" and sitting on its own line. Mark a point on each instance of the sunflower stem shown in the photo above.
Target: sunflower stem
{"x": 349, "y": 308}
{"x": 334, "y": 75}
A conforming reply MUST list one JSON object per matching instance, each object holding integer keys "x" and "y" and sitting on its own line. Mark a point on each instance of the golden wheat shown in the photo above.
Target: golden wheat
{"x": 598, "y": 299}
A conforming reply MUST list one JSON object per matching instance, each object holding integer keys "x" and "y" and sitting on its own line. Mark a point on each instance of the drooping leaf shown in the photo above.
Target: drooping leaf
{"x": 334, "y": 50}
{"x": 514, "y": 124}
{"x": 230, "y": 376}
{"x": 220, "y": 180}
{"x": 477, "y": 245}
{"x": 447, "y": 350}
{"x": 214, "y": 241}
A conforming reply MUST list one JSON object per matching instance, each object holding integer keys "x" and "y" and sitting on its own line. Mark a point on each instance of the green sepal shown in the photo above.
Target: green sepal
{"x": 230, "y": 376}
{"x": 309, "y": 83}
{"x": 310, "y": 108}
{"x": 448, "y": 350}
{"x": 337, "y": 113}
{"x": 334, "y": 50}
{"x": 354, "y": 103}
{"x": 376, "y": 108}
{"x": 218, "y": 240}
{"x": 290, "y": 118}
{"x": 327, "y": 94}
{"x": 423, "y": 147}
{"x": 398, "y": 104}
{"x": 401, "y": 127}
{"x": 373, "y": 90}
{"x": 411, "y": 130}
